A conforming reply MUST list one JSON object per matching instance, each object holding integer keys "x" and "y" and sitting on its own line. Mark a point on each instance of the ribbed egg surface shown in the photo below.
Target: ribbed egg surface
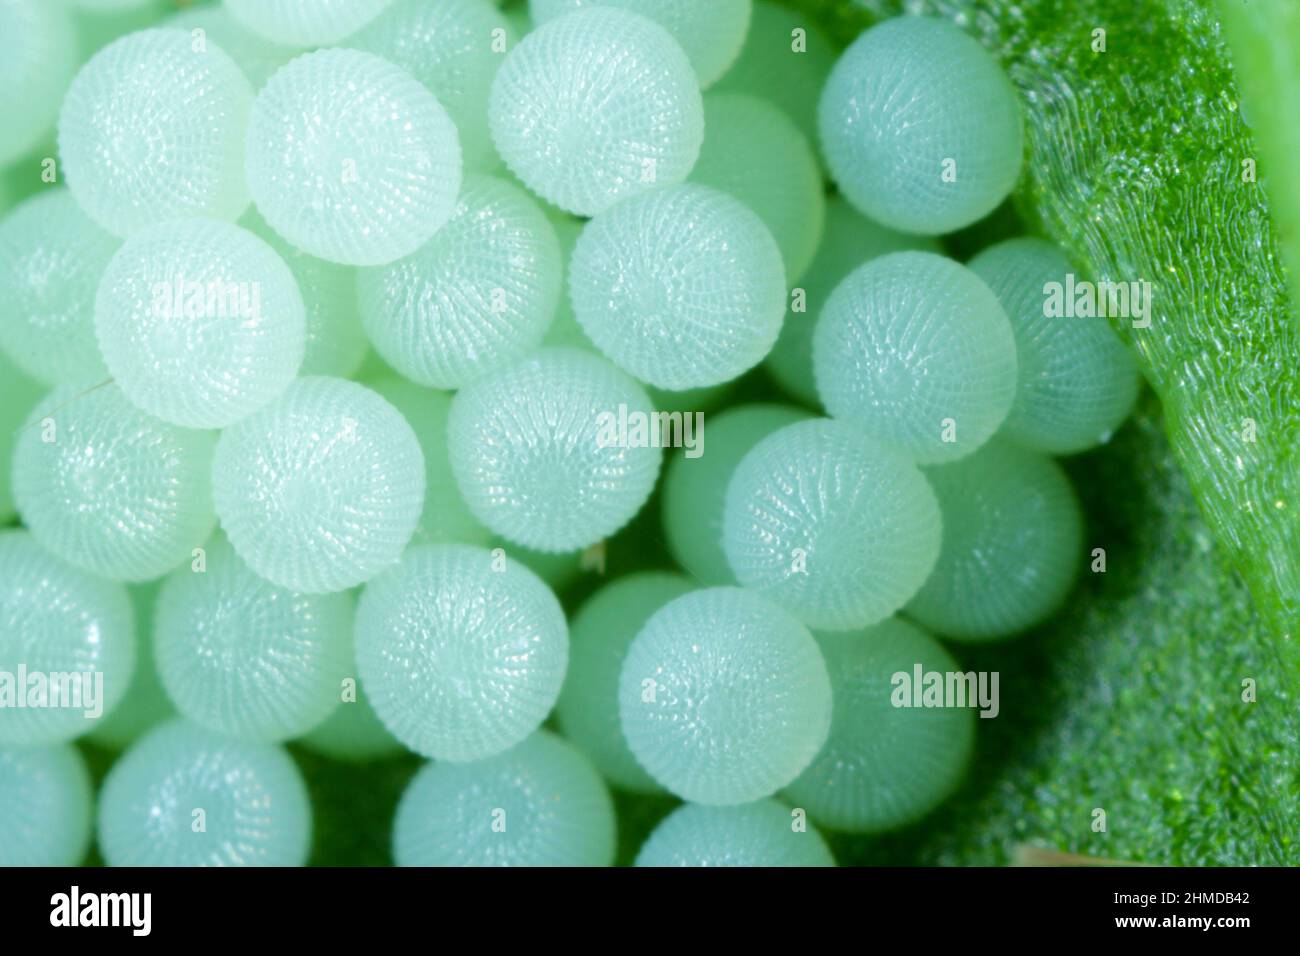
{"x": 58, "y": 620}
{"x": 541, "y": 453}
{"x": 243, "y": 657}
{"x": 682, "y": 287}
{"x": 52, "y": 256}
{"x": 710, "y": 33}
{"x": 461, "y": 650}
{"x": 350, "y": 158}
{"x": 916, "y": 351}
{"x": 540, "y": 803}
{"x": 596, "y": 106}
{"x": 889, "y": 760}
{"x": 111, "y": 489}
{"x": 1012, "y": 544}
{"x": 322, "y": 489}
{"x": 185, "y": 796}
{"x": 724, "y": 698}
{"x": 762, "y": 833}
{"x": 477, "y": 295}
{"x": 453, "y": 47}
{"x": 921, "y": 128}
{"x": 830, "y": 525}
{"x": 200, "y": 322}
{"x": 153, "y": 129}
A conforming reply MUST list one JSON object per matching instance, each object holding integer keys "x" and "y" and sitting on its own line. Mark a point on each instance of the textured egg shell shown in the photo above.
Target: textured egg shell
{"x": 540, "y": 803}
{"x": 200, "y": 322}
{"x": 453, "y": 47}
{"x": 110, "y": 489}
{"x": 724, "y": 697}
{"x": 475, "y": 297}
{"x": 752, "y": 834}
{"x": 57, "y": 620}
{"x": 1077, "y": 381}
{"x": 915, "y": 349}
{"x": 243, "y": 657}
{"x": 710, "y": 33}
{"x": 350, "y": 158}
{"x": 695, "y": 489}
{"x": 153, "y": 129}
{"x": 1012, "y": 545}
{"x": 920, "y": 127}
{"x": 682, "y": 287}
{"x": 602, "y": 630}
{"x": 461, "y": 653}
{"x": 52, "y": 256}
{"x": 322, "y": 489}
{"x": 754, "y": 152}
{"x": 848, "y": 240}
{"x": 530, "y": 458}
{"x": 595, "y": 106}
{"x": 253, "y": 803}
{"x": 833, "y": 527}
{"x": 884, "y": 765}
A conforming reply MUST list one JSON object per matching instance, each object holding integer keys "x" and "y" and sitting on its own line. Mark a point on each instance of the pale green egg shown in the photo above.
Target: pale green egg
{"x": 920, "y": 127}
{"x": 200, "y": 322}
{"x": 602, "y": 631}
{"x": 67, "y": 645}
{"x": 48, "y": 802}
{"x": 110, "y": 489}
{"x": 243, "y": 657}
{"x": 475, "y": 297}
{"x": 753, "y": 151}
{"x": 350, "y": 158}
{"x": 682, "y": 287}
{"x": 322, "y": 489}
{"x": 695, "y": 485}
{"x": 153, "y": 130}
{"x": 1077, "y": 381}
{"x": 915, "y": 350}
{"x": 596, "y": 106}
{"x": 1012, "y": 545}
{"x": 541, "y": 455}
{"x": 848, "y": 241}
{"x": 763, "y": 833}
{"x": 830, "y": 525}
{"x": 462, "y": 653}
{"x": 711, "y": 33}
{"x": 185, "y": 796}
{"x": 889, "y": 759}
{"x": 540, "y": 803}
{"x": 724, "y": 697}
